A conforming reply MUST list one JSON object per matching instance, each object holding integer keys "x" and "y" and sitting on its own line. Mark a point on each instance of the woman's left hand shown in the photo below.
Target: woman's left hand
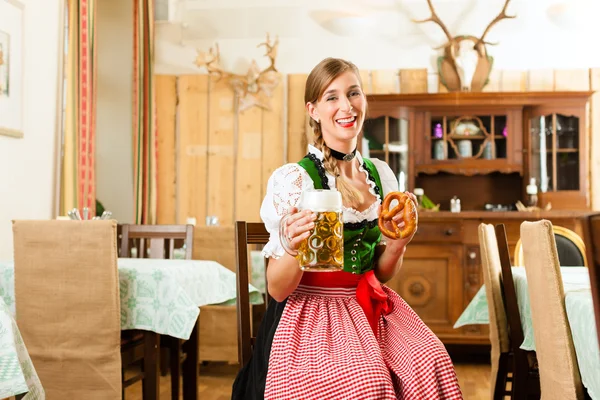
{"x": 399, "y": 245}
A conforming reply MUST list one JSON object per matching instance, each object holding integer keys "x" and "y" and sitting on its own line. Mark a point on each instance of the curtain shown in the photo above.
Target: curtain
{"x": 78, "y": 181}
{"x": 144, "y": 124}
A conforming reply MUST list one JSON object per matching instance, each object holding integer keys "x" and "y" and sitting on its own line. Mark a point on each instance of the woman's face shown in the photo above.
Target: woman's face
{"x": 340, "y": 111}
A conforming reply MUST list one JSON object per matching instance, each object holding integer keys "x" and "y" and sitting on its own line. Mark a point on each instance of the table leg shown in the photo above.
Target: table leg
{"x": 151, "y": 380}
{"x": 190, "y": 368}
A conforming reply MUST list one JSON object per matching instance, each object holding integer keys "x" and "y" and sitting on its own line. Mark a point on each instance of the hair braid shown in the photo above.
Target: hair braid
{"x": 350, "y": 195}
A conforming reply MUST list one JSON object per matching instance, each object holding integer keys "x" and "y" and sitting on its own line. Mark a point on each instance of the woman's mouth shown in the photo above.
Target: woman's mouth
{"x": 346, "y": 122}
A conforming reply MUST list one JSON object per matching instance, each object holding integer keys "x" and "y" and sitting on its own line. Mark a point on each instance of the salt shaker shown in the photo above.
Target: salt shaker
{"x": 455, "y": 204}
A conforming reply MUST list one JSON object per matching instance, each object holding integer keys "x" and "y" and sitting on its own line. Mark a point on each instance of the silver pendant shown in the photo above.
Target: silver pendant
{"x": 349, "y": 157}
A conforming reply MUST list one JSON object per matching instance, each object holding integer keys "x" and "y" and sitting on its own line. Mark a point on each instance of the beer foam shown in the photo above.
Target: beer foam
{"x": 319, "y": 200}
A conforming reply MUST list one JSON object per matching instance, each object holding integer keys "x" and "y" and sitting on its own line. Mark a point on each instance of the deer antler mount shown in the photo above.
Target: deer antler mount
{"x": 465, "y": 65}
{"x": 256, "y": 86}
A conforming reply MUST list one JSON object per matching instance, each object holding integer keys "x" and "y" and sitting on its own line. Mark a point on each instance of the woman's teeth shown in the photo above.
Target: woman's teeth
{"x": 346, "y": 122}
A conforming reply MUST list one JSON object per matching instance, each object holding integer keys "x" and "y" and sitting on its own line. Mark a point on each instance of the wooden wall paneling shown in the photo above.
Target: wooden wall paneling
{"x": 248, "y": 165}
{"x": 385, "y": 81}
{"x": 221, "y": 162}
{"x": 192, "y": 154}
{"x": 514, "y": 81}
{"x": 540, "y": 80}
{"x": 297, "y": 141}
{"x": 595, "y": 139}
{"x": 571, "y": 79}
{"x": 365, "y": 77}
{"x": 494, "y": 81}
{"x": 413, "y": 80}
{"x": 166, "y": 113}
{"x": 272, "y": 136}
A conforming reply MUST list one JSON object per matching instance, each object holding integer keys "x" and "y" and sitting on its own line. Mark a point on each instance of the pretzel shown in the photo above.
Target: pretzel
{"x": 409, "y": 215}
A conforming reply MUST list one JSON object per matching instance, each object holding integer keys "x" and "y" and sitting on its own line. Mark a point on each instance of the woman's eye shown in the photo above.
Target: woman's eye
{"x": 331, "y": 98}
{"x": 355, "y": 93}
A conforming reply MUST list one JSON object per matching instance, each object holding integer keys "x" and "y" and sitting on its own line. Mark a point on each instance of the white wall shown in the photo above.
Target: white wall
{"x": 386, "y": 37}
{"x": 27, "y": 165}
{"x": 114, "y": 165}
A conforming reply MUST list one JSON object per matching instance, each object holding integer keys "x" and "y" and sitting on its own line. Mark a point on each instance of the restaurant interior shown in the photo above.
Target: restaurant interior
{"x": 137, "y": 143}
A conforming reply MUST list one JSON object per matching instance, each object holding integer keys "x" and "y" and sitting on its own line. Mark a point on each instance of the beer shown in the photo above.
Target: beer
{"x": 323, "y": 250}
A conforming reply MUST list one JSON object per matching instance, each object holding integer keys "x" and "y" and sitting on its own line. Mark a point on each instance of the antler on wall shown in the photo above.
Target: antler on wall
{"x": 465, "y": 64}
{"x": 252, "y": 89}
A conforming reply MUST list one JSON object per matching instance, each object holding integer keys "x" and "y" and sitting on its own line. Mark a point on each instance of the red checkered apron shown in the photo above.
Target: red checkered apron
{"x": 325, "y": 346}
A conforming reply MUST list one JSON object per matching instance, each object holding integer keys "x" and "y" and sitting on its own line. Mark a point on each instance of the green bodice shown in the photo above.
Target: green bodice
{"x": 361, "y": 238}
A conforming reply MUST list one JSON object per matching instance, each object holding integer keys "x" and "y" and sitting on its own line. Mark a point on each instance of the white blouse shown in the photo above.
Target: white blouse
{"x": 287, "y": 183}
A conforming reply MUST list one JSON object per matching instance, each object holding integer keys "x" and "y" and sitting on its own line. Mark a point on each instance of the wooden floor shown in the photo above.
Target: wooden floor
{"x": 216, "y": 379}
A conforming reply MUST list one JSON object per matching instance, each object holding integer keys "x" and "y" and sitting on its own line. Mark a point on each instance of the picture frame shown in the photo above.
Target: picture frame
{"x": 12, "y": 13}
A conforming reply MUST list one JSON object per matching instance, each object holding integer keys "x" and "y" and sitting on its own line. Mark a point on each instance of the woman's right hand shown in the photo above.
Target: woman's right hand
{"x": 298, "y": 226}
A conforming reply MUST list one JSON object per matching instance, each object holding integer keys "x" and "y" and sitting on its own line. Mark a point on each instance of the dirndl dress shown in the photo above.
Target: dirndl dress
{"x": 343, "y": 335}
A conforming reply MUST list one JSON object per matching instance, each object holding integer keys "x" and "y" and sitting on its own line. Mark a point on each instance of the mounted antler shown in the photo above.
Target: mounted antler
{"x": 498, "y": 18}
{"x": 253, "y": 87}
{"x": 434, "y": 18}
{"x": 465, "y": 64}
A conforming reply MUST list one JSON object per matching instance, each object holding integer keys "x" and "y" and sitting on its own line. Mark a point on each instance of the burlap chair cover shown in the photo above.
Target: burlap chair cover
{"x": 67, "y": 305}
{"x": 492, "y": 270}
{"x": 559, "y": 372}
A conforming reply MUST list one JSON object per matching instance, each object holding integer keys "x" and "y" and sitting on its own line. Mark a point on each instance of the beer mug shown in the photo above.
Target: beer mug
{"x": 323, "y": 249}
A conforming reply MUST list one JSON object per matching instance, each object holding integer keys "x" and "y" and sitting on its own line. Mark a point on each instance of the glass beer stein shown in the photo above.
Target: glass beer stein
{"x": 323, "y": 250}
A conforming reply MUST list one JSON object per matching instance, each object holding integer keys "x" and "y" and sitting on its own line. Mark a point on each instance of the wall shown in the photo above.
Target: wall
{"x": 27, "y": 165}
{"x": 114, "y": 165}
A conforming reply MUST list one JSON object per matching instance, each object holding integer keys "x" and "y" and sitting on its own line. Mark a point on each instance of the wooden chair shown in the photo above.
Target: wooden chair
{"x": 160, "y": 242}
{"x": 501, "y": 354}
{"x": 559, "y": 371}
{"x": 526, "y": 380}
{"x": 591, "y": 236}
{"x": 246, "y": 233}
{"x": 570, "y": 247}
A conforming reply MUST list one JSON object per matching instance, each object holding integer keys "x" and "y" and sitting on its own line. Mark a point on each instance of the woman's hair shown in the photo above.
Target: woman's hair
{"x": 318, "y": 80}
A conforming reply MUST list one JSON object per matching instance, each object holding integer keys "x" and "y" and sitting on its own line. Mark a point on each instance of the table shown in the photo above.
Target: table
{"x": 580, "y": 313}
{"x": 161, "y": 296}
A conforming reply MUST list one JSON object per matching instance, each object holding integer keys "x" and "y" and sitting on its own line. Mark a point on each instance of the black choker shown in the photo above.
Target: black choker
{"x": 343, "y": 156}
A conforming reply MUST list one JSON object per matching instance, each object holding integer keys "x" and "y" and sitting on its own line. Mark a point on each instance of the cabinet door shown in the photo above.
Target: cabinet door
{"x": 387, "y": 139}
{"x": 430, "y": 281}
{"x": 557, "y": 157}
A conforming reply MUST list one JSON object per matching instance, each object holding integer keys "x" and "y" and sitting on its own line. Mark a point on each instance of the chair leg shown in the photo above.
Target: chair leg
{"x": 164, "y": 358}
{"x": 150, "y": 383}
{"x": 520, "y": 375}
{"x": 175, "y": 360}
{"x": 500, "y": 389}
{"x": 191, "y": 367}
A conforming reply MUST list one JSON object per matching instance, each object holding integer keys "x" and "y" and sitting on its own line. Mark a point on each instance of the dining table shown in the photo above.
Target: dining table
{"x": 580, "y": 314}
{"x": 156, "y": 295}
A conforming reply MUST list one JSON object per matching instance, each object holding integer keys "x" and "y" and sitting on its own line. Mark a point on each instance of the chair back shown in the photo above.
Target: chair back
{"x": 68, "y": 306}
{"x": 246, "y": 233}
{"x": 569, "y": 245}
{"x": 591, "y": 236}
{"x": 492, "y": 275}
{"x": 559, "y": 372}
{"x": 156, "y": 241}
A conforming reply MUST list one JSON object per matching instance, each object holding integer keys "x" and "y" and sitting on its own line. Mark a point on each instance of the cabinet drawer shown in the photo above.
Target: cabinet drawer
{"x": 450, "y": 232}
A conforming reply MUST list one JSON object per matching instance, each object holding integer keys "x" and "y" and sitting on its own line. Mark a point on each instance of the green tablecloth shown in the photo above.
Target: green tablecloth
{"x": 580, "y": 312}
{"x": 162, "y": 296}
{"x": 17, "y": 374}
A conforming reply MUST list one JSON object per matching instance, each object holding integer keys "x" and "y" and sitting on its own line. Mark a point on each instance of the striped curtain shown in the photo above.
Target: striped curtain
{"x": 78, "y": 180}
{"x": 144, "y": 124}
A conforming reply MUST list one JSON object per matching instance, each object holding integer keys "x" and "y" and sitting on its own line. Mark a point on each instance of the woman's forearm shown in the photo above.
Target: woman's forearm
{"x": 283, "y": 276}
{"x": 388, "y": 260}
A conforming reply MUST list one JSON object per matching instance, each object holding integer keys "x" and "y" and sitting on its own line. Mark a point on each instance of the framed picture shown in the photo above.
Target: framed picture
{"x": 11, "y": 68}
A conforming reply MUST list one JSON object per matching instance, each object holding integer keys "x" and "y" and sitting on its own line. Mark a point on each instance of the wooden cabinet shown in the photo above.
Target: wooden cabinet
{"x": 498, "y": 141}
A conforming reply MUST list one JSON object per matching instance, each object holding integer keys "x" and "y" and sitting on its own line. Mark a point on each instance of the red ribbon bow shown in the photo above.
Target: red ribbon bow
{"x": 372, "y": 299}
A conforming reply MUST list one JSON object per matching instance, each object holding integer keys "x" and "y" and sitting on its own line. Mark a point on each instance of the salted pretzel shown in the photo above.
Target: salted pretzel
{"x": 409, "y": 215}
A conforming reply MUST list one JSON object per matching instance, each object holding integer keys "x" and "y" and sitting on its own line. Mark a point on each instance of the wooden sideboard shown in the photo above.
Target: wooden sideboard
{"x": 442, "y": 266}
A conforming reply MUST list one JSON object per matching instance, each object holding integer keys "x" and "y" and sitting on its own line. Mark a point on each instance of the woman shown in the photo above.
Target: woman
{"x": 341, "y": 334}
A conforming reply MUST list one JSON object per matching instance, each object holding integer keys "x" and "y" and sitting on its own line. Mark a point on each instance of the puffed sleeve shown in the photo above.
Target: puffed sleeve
{"x": 389, "y": 182}
{"x": 283, "y": 192}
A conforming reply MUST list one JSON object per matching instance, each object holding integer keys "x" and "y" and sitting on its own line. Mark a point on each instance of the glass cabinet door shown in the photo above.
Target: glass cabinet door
{"x": 555, "y": 152}
{"x": 386, "y": 138}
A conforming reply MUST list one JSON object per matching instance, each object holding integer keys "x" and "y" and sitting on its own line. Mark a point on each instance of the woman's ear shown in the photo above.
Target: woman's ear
{"x": 312, "y": 112}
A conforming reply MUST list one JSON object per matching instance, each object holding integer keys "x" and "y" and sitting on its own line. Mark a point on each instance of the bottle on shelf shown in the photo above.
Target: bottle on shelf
{"x": 419, "y": 192}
